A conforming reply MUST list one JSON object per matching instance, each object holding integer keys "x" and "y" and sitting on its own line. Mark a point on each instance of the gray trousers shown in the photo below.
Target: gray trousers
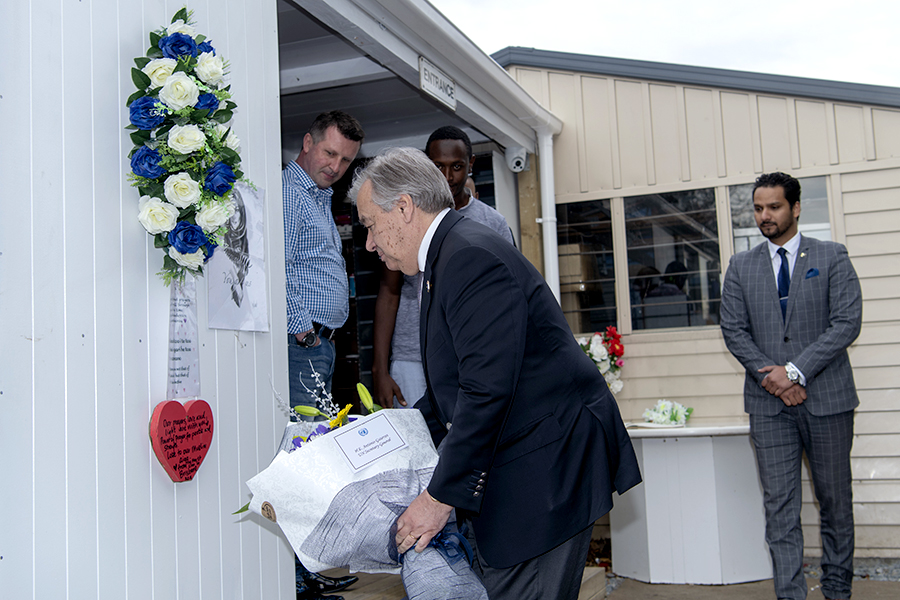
{"x": 780, "y": 442}
{"x": 554, "y": 575}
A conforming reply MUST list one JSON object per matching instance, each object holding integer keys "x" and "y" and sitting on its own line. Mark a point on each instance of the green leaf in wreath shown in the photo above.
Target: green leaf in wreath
{"x": 140, "y": 79}
{"x": 230, "y": 157}
{"x": 229, "y": 105}
{"x": 131, "y": 127}
{"x": 161, "y": 240}
{"x": 141, "y": 61}
{"x": 164, "y": 130}
{"x": 182, "y": 67}
{"x": 154, "y": 39}
{"x": 135, "y": 96}
{"x": 181, "y": 14}
{"x": 239, "y": 174}
{"x": 242, "y": 509}
{"x": 199, "y": 39}
{"x": 223, "y": 116}
{"x": 154, "y": 52}
{"x": 140, "y": 137}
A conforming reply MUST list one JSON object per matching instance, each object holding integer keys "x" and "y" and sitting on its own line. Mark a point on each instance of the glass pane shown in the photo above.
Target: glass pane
{"x": 586, "y": 273}
{"x": 673, "y": 259}
{"x": 814, "y": 218}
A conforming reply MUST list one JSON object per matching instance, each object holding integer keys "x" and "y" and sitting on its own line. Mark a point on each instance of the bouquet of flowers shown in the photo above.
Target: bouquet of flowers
{"x": 667, "y": 413}
{"x": 185, "y": 158}
{"x": 606, "y": 350}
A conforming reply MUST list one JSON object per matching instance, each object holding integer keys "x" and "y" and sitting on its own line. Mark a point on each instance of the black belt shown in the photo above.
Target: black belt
{"x": 322, "y": 331}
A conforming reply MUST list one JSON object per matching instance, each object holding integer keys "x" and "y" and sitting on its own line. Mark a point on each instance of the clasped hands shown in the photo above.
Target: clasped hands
{"x": 778, "y": 384}
{"x": 422, "y": 520}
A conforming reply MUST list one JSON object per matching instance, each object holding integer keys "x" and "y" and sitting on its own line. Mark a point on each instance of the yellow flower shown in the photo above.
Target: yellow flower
{"x": 339, "y": 419}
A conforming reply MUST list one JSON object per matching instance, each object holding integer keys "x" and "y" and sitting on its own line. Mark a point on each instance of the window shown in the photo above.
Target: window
{"x": 673, "y": 259}
{"x": 814, "y": 220}
{"x": 586, "y": 274}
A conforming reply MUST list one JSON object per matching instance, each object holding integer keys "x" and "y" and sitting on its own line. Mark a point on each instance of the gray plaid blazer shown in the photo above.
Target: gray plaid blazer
{"x": 824, "y": 315}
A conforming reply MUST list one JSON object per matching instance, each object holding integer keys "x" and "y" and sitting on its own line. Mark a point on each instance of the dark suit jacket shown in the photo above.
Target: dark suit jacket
{"x": 824, "y": 315}
{"x": 536, "y": 445}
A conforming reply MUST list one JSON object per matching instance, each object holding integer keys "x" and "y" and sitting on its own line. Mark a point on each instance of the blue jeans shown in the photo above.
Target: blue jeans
{"x": 302, "y": 362}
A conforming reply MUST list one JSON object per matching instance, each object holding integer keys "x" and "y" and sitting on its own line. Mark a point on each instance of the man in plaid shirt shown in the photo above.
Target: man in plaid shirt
{"x": 317, "y": 290}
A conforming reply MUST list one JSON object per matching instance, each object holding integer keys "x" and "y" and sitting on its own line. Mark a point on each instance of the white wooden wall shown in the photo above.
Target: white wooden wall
{"x": 88, "y": 511}
{"x": 625, "y": 137}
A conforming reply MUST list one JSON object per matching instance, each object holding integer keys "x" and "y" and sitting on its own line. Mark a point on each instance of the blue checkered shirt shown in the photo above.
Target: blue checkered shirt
{"x": 316, "y": 274}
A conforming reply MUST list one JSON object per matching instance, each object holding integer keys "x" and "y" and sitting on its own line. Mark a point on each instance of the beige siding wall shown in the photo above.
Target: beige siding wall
{"x": 625, "y": 137}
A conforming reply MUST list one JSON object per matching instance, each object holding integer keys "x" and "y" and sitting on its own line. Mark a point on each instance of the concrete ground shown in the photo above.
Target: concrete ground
{"x": 594, "y": 587}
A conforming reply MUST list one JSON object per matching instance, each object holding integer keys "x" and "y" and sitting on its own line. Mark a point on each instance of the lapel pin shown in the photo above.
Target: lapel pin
{"x": 802, "y": 254}
{"x": 428, "y": 286}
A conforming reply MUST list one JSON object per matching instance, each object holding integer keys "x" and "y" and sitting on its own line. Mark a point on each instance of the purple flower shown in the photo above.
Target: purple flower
{"x": 219, "y": 179}
{"x": 187, "y": 238}
{"x": 178, "y": 44}
{"x": 145, "y": 163}
{"x": 145, "y": 115}
{"x": 205, "y": 46}
{"x": 207, "y": 102}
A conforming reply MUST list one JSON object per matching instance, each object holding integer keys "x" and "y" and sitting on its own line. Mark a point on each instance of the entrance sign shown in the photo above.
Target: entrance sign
{"x": 437, "y": 83}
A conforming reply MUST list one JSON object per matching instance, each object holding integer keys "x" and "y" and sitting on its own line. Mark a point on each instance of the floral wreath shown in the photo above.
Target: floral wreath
{"x": 606, "y": 350}
{"x": 185, "y": 158}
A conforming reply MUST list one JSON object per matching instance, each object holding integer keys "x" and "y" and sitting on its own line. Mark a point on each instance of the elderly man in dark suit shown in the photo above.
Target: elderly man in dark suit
{"x": 531, "y": 441}
{"x": 790, "y": 308}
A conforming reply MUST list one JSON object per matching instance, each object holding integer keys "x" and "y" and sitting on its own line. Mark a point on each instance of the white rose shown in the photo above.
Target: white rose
{"x": 157, "y": 216}
{"x": 180, "y": 26}
{"x": 185, "y": 139}
{"x": 214, "y": 215}
{"x": 210, "y": 69}
{"x": 603, "y": 365}
{"x": 179, "y": 91}
{"x": 616, "y": 386}
{"x": 182, "y": 190}
{"x": 231, "y": 140}
{"x": 192, "y": 261}
{"x": 159, "y": 70}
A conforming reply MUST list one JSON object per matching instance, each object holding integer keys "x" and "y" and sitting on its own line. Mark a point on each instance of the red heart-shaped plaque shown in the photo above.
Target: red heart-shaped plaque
{"x": 181, "y": 435}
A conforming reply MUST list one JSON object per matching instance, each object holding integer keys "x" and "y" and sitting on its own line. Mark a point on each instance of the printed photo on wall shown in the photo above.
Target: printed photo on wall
{"x": 236, "y": 273}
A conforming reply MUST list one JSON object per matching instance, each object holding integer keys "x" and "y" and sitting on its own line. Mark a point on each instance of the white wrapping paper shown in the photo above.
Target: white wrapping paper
{"x": 335, "y": 515}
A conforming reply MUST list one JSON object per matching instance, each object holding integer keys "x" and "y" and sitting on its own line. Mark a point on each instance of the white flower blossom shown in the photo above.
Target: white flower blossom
{"x": 192, "y": 261}
{"x": 157, "y": 216}
{"x": 214, "y": 215}
{"x": 231, "y": 141}
{"x": 185, "y": 139}
{"x": 179, "y": 91}
{"x": 181, "y": 190}
{"x": 180, "y": 26}
{"x": 159, "y": 70}
{"x": 210, "y": 69}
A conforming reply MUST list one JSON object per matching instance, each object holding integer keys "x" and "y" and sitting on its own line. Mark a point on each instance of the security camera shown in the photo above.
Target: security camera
{"x": 516, "y": 158}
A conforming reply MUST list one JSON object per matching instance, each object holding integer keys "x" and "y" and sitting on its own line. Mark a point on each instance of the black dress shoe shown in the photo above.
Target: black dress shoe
{"x": 326, "y": 585}
{"x": 311, "y": 594}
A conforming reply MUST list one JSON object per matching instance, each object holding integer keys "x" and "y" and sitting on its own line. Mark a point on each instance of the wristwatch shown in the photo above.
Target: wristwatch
{"x": 793, "y": 373}
{"x": 309, "y": 340}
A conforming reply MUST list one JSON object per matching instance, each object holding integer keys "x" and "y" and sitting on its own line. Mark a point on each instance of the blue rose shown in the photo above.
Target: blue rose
{"x": 219, "y": 179}
{"x": 145, "y": 162}
{"x": 205, "y": 46}
{"x": 178, "y": 44}
{"x": 207, "y": 102}
{"x": 209, "y": 248}
{"x": 144, "y": 113}
{"x": 187, "y": 238}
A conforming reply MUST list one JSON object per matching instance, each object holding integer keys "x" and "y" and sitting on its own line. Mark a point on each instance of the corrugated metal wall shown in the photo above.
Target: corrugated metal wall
{"x": 625, "y": 137}
{"x": 88, "y": 511}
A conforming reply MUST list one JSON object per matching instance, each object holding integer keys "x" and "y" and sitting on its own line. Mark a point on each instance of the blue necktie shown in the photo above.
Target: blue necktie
{"x": 784, "y": 281}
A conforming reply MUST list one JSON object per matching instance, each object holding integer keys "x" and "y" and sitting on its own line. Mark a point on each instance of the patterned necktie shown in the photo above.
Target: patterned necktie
{"x": 784, "y": 281}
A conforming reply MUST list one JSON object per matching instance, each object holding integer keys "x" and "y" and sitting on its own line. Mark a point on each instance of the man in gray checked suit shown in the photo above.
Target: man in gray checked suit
{"x": 790, "y": 308}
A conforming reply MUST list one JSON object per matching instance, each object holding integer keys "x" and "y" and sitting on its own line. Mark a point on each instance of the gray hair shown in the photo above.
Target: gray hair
{"x": 399, "y": 171}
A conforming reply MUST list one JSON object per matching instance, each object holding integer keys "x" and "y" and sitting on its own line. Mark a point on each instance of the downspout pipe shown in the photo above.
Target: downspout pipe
{"x": 548, "y": 207}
